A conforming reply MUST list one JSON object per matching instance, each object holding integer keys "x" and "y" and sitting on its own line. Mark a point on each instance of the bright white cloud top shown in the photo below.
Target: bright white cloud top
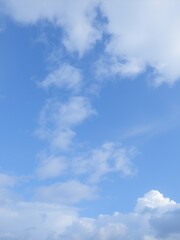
{"x": 90, "y": 119}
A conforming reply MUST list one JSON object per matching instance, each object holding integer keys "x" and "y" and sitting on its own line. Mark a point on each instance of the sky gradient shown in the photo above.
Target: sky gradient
{"x": 89, "y": 129}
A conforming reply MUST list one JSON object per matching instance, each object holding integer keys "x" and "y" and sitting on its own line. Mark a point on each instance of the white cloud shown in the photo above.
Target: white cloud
{"x": 145, "y": 33}
{"x": 94, "y": 165}
{"x": 51, "y": 167}
{"x": 109, "y": 65}
{"x": 37, "y": 220}
{"x": 103, "y": 228}
{"x": 66, "y": 193}
{"x": 142, "y": 33}
{"x": 66, "y": 76}
{"x": 57, "y": 120}
{"x": 33, "y": 220}
{"x": 6, "y": 194}
{"x": 153, "y": 199}
{"x": 75, "y": 16}
{"x": 136, "y": 225}
{"x": 108, "y": 158}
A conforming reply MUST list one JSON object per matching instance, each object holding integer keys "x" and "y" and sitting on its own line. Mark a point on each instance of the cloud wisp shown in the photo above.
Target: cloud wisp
{"x": 108, "y": 158}
{"x": 57, "y": 120}
{"x": 65, "y": 77}
{"x": 94, "y": 165}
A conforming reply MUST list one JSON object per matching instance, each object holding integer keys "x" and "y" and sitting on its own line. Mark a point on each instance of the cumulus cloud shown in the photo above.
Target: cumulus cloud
{"x": 75, "y": 17}
{"x": 148, "y": 225}
{"x": 66, "y": 77}
{"x": 57, "y": 120}
{"x": 141, "y": 33}
{"x": 103, "y": 228}
{"x": 153, "y": 199}
{"x": 167, "y": 225}
{"x": 144, "y": 33}
{"x": 37, "y": 220}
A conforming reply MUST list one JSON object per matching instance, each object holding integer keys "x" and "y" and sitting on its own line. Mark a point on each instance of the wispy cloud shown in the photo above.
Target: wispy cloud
{"x": 69, "y": 192}
{"x": 94, "y": 165}
{"x": 51, "y": 167}
{"x": 65, "y": 77}
{"x": 57, "y": 120}
{"x": 156, "y": 126}
{"x": 108, "y": 158}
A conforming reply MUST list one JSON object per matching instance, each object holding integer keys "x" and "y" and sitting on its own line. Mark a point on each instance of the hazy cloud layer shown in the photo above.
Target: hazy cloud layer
{"x": 7, "y": 180}
{"x": 155, "y": 218}
{"x": 70, "y": 192}
{"x": 34, "y": 220}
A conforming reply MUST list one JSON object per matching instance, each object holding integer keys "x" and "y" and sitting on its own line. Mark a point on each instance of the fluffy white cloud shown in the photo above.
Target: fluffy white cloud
{"x": 66, "y": 76}
{"x": 57, "y": 120}
{"x": 153, "y": 224}
{"x": 37, "y": 220}
{"x": 142, "y": 33}
{"x": 108, "y": 158}
{"x": 153, "y": 199}
{"x": 75, "y": 16}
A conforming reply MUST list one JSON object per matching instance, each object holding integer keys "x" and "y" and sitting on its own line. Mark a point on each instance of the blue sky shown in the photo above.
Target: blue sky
{"x": 90, "y": 109}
